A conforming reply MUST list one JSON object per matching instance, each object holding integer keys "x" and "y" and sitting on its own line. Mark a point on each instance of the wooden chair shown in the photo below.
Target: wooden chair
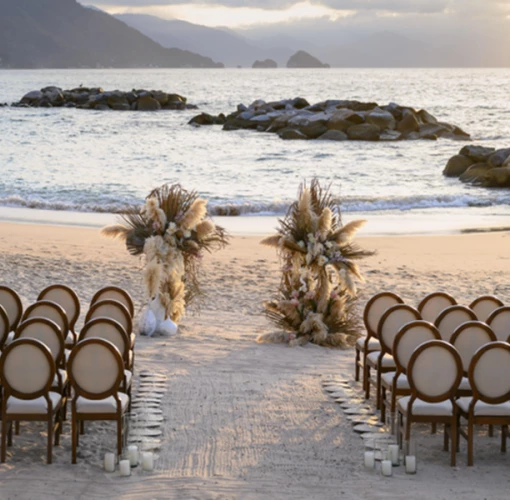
{"x": 499, "y": 321}
{"x": 434, "y": 373}
{"x": 489, "y": 376}
{"x": 467, "y": 339}
{"x": 115, "y": 293}
{"x": 484, "y": 306}
{"x": 374, "y": 309}
{"x": 96, "y": 371}
{"x": 433, "y": 304}
{"x": 451, "y": 318}
{"x": 11, "y": 302}
{"x": 66, "y": 298}
{"x": 392, "y": 320}
{"x": 408, "y": 338}
{"x": 27, "y": 371}
{"x": 5, "y": 327}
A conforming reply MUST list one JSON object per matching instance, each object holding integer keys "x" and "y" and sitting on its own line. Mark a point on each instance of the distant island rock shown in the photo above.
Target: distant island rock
{"x": 267, "y": 63}
{"x": 302, "y": 59}
{"x": 98, "y": 99}
{"x": 335, "y": 120}
{"x": 480, "y": 166}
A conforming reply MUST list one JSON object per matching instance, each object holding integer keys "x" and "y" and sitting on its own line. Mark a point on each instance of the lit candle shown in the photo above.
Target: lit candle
{"x": 147, "y": 461}
{"x": 386, "y": 467}
{"x": 369, "y": 459}
{"x": 109, "y": 462}
{"x": 411, "y": 464}
{"x": 133, "y": 455}
{"x": 125, "y": 468}
{"x": 393, "y": 454}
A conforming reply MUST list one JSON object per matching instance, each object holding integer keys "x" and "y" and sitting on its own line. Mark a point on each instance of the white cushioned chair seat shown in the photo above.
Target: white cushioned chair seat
{"x": 423, "y": 408}
{"x": 107, "y": 405}
{"x": 402, "y": 382}
{"x": 133, "y": 340}
{"x": 485, "y": 409}
{"x": 464, "y": 384}
{"x": 69, "y": 339}
{"x": 63, "y": 374}
{"x": 373, "y": 344}
{"x": 129, "y": 377}
{"x": 32, "y": 406}
{"x": 387, "y": 361}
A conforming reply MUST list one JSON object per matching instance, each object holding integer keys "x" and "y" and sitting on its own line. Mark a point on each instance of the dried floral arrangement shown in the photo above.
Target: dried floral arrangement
{"x": 317, "y": 293}
{"x": 172, "y": 231}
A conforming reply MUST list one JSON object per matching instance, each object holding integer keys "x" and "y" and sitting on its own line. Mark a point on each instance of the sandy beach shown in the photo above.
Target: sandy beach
{"x": 241, "y": 419}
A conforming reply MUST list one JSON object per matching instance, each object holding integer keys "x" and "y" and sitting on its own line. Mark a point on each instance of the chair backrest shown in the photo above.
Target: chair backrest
{"x": 45, "y": 330}
{"x": 499, "y": 321}
{"x": 95, "y": 368}
{"x": 110, "y": 308}
{"x": 451, "y": 318}
{"x": 408, "y": 338}
{"x": 115, "y": 293}
{"x": 433, "y": 304}
{"x": 468, "y": 338}
{"x": 376, "y": 307}
{"x": 50, "y": 310}
{"x": 5, "y": 326}
{"x": 392, "y": 321}
{"x": 484, "y": 305}
{"x": 434, "y": 371}
{"x": 108, "y": 329}
{"x": 27, "y": 369}
{"x": 11, "y": 302}
{"x": 489, "y": 373}
{"x": 66, "y": 298}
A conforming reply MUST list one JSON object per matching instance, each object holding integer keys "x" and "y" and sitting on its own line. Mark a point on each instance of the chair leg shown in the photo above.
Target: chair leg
{"x": 378, "y": 390}
{"x": 453, "y": 432}
{"x": 504, "y": 430}
{"x": 119, "y": 436}
{"x": 458, "y": 433}
{"x": 356, "y": 366}
{"x": 491, "y": 430}
{"x": 4, "y": 439}
{"x": 366, "y": 380}
{"x": 17, "y": 428}
{"x": 446, "y": 440}
{"x": 74, "y": 436}
{"x": 50, "y": 438}
{"x": 433, "y": 430}
{"x": 82, "y": 427}
{"x": 470, "y": 440}
{"x": 9, "y": 433}
{"x": 383, "y": 405}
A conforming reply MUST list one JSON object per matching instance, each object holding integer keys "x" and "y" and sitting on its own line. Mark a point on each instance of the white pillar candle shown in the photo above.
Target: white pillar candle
{"x": 125, "y": 468}
{"x": 386, "y": 467}
{"x": 411, "y": 464}
{"x": 147, "y": 461}
{"x": 369, "y": 459}
{"x": 393, "y": 454}
{"x": 109, "y": 462}
{"x": 133, "y": 455}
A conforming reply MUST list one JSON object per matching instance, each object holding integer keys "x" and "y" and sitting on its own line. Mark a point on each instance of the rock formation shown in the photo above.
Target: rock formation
{"x": 302, "y": 59}
{"x": 480, "y": 166}
{"x": 267, "y": 63}
{"x": 334, "y": 120}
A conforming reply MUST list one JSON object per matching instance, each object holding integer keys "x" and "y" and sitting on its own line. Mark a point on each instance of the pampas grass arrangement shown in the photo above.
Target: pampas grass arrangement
{"x": 317, "y": 293}
{"x": 172, "y": 230}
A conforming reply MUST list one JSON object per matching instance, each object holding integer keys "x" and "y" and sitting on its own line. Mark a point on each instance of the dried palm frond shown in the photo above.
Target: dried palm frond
{"x": 116, "y": 231}
{"x": 345, "y": 234}
{"x": 272, "y": 241}
{"x": 204, "y": 229}
{"x": 194, "y": 214}
{"x": 273, "y": 337}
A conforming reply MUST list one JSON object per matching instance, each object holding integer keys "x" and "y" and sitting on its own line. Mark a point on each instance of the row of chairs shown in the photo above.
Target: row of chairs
{"x": 37, "y": 372}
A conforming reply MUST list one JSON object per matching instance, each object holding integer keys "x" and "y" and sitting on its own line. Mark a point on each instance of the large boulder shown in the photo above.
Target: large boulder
{"x": 314, "y": 130}
{"x": 498, "y": 158}
{"x": 333, "y": 135}
{"x": 477, "y": 153}
{"x": 475, "y": 172}
{"x": 497, "y": 177}
{"x": 340, "y": 124}
{"x": 364, "y": 132}
{"x": 409, "y": 123}
{"x": 118, "y": 101}
{"x": 457, "y": 165}
{"x": 31, "y": 97}
{"x": 147, "y": 103}
{"x": 202, "y": 119}
{"x": 425, "y": 117}
{"x": 292, "y": 134}
{"x": 383, "y": 119}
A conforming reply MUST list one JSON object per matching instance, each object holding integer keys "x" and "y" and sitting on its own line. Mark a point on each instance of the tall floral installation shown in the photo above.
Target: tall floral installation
{"x": 172, "y": 230}
{"x": 317, "y": 293}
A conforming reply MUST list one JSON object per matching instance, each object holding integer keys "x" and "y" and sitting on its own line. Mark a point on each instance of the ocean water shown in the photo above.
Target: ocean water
{"x": 95, "y": 161}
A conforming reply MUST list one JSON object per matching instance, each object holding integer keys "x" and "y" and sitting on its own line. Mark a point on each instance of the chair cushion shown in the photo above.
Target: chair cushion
{"x": 373, "y": 344}
{"x": 70, "y": 339}
{"x": 485, "y": 409}
{"x": 464, "y": 384}
{"x": 63, "y": 374}
{"x": 32, "y": 406}
{"x": 402, "y": 382}
{"x": 133, "y": 340}
{"x": 387, "y": 361}
{"x": 442, "y": 409}
{"x": 129, "y": 377}
{"x": 107, "y": 405}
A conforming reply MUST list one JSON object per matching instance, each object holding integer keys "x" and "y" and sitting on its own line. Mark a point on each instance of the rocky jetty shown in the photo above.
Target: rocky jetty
{"x": 480, "y": 166}
{"x": 266, "y": 63}
{"x": 99, "y": 99}
{"x": 334, "y": 120}
{"x": 302, "y": 59}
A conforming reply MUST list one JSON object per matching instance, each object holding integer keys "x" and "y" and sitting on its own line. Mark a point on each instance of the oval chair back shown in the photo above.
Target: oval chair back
{"x": 392, "y": 321}
{"x": 408, "y": 338}
{"x": 433, "y": 304}
{"x": 499, "y": 321}
{"x": 66, "y": 298}
{"x": 468, "y": 338}
{"x": 5, "y": 326}
{"x": 50, "y": 310}
{"x": 484, "y": 306}
{"x": 434, "y": 372}
{"x": 113, "y": 309}
{"x": 108, "y": 329}
{"x": 489, "y": 373}
{"x": 376, "y": 307}
{"x": 11, "y": 302}
{"x": 451, "y": 318}
{"x": 95, "y": 368}
{"x": 46, "y": 331}
{"x": 115, "y": 293}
